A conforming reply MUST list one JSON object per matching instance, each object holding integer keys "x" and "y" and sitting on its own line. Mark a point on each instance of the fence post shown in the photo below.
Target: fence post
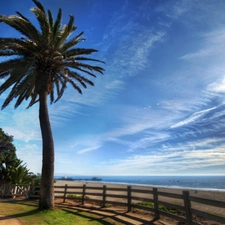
{"x": 65, "y": 192}
{"x": 156, "y": 204}
{"x": 104, "y": 196}
{"x": 29, "y": 188}
{"x": 3, "y": 190}
{"x": 14, "y": 191}
{"x": 128, "y": 198}
{"x": 187, "y": 205}
{"x": 83, "y": 195}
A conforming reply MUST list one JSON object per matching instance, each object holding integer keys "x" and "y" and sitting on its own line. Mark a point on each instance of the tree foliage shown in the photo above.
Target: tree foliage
{"x": 7, "y": 149}
{"x": 12, "y": 169}
{"x": 16, "y": 173}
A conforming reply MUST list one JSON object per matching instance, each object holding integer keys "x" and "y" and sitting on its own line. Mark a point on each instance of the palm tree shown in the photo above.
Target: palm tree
{"x": 40, "y": 64}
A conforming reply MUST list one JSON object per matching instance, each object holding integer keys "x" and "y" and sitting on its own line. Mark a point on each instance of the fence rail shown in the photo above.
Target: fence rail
{"x": 178, "y": 207}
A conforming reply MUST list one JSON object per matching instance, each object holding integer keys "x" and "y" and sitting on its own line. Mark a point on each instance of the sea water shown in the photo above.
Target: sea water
{"x": 197, "y": 182}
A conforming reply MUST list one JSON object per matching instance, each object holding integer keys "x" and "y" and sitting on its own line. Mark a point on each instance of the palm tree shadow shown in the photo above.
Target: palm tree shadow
{"x": 18, "y": 215}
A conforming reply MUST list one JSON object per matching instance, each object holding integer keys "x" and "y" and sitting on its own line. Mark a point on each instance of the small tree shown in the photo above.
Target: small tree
{"x": 17, "y": 173}
{"x": 7, "y": 152}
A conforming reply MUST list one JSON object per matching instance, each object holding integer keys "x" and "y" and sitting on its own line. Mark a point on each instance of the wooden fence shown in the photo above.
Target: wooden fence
{"x": 182, "y": 207}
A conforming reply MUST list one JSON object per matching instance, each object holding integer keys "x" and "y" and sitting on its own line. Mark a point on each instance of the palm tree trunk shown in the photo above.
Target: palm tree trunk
{"x": 46, "y": 199}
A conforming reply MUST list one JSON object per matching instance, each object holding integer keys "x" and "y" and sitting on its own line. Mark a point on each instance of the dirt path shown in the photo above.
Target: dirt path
{"x": 4, "y": 220}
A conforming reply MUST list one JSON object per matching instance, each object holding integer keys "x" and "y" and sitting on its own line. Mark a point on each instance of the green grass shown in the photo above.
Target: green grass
{"x": 151, "y": 205}
{"x": 28, "y": 214}
{"x": 73, "y": 196}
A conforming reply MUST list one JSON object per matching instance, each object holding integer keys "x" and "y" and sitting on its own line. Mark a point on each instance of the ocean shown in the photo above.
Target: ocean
{"x": 195, "y": 182}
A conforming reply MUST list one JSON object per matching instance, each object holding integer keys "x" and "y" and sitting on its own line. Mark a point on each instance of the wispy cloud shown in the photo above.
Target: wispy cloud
{"x": 211, "y": 45}
{"x": 23, "y": 124}
{"x": 88, "y": 149}
{"x": 173, "y": 160}
{"x": 192, "y": 118}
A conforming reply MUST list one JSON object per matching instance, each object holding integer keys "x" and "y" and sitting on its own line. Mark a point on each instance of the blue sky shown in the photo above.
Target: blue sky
{"x": 159, "y": 109}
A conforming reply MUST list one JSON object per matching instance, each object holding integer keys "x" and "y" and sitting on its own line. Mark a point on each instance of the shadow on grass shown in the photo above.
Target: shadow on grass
{"x": 121, "y": 217}
{"x": 101, "y": 215}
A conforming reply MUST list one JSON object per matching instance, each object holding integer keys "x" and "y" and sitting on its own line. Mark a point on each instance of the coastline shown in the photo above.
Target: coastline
{"x": 211, "y": 183}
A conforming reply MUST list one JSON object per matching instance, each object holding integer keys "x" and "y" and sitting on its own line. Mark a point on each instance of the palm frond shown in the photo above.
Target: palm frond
{"x": 16, "y": 73}
{"x": 88, "y": 59}
{"x": 65, "y": 33}
{"x": 57, "y": 25}
{"x": 80, "y": 78}
{"x": 43, "y": 22}
{"x": 52, "y": 96}
{"x": 39, "y": 5}
{"x": 9, "y": 98}
{"x": 50, "y": 19}
{"x": 79, "y": 51}
{"x": 77, "y": 67}
{"x": 24, "y": 45}
{"x": 75, "y": 86}
{"x": 9, "y": 53}
{"x": 61, "y": 79}
{"x": 33, "y": 99}
{"x": 23, "y": 26}
{"x": 80, "y": 66}
{"x": 22, "y": 16}
{"x": 74, "y": 41}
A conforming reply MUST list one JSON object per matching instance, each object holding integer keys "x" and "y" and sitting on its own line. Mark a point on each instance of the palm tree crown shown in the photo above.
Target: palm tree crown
{"x": 44, "y": 59}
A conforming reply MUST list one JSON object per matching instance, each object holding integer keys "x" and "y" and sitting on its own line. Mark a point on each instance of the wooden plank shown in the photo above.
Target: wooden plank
{"x": 94, "y": 194}
{"x": 156, "y": 204}
{"x": 129, "y": 198}
{"x": 94, "y": 188}
{"x": 58, "y": 192}
{"x": 116, "y": 196}
{"x": 207, "y": 201}
{"x": 209, "y": 216}
{"x": 74, "y": 193}
{"x": 104, "y": 196}
{"x": 187, "y": 206}
{"x": 139, "y": 191}
{"x": 170, "y": 195}
{"x": 64, "y": 196}
{"x": 75, "y": 187}
{"x": 116, "y": 189}
{"x": 61, "y": 187}
{"x": 83, "y": 194}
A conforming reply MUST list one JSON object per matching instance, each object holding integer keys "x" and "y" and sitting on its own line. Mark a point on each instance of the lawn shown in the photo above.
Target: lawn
{"x": 27, "y": 213}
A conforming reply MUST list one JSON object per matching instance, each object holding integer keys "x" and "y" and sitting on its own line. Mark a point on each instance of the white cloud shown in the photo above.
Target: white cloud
{"x": 88, "y": 149}
{"x": 192, "y": 118}
{"x": 23, "y": 125}
{"x": 211, "y": 46}
{"x": 218, "y": 86}
{"x": 168, "y": 162}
